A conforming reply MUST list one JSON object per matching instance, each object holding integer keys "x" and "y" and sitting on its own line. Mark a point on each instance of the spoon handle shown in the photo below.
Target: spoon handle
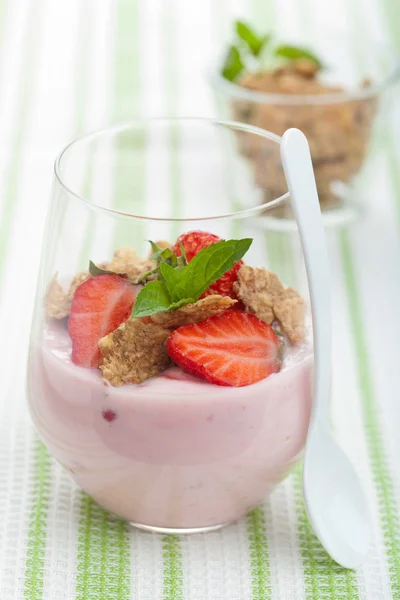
{"x": 296, "y": 159}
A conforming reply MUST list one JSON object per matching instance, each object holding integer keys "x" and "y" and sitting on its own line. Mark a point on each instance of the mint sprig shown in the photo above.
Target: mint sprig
{"x": 185, "y": 284}
{"x": 251, "y": 52}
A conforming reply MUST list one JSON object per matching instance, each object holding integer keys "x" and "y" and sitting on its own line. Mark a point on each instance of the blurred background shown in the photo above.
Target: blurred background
{"x": 67, "y": 68}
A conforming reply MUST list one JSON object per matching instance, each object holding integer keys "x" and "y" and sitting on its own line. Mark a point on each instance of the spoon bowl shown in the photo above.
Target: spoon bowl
{"x": 334, "y": 499}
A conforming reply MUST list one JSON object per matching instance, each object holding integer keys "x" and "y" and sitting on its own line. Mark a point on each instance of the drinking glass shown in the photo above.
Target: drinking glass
{"x": 173, "y": 453}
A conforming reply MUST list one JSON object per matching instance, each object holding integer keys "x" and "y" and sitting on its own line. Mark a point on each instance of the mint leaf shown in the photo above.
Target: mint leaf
{"x": 155, "y": 249}
{"x": 208, "y": 266}
{"x": 172, "y": 278}
{"x": 154, "y": 297}
{"x": 183, "y": 257}
{"x": 160, "y": 253}
{"x": 254, "y": 43}
{"x": 293, "y": 53}
{"x": 95, "y": 270}
{"x": 233, "y": 65}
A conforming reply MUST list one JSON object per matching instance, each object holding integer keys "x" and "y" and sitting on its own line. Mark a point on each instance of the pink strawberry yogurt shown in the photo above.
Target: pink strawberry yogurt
{"x": 173, "y": 452}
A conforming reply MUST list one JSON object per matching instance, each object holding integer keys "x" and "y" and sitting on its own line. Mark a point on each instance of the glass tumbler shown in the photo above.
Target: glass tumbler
{"x": 177, "y": 451}
{"x": 338, "y": 124}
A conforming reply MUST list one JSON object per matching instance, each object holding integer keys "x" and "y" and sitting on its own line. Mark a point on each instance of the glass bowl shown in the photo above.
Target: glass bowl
{"x": 338, "y": 125}
{"x": 173, "y": 453}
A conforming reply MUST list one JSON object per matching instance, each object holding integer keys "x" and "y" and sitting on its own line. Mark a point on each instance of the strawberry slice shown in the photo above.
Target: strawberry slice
{"x": 233, "y": 349}
{"x": 193, "y": 242}
{"x": 99, "y": 306}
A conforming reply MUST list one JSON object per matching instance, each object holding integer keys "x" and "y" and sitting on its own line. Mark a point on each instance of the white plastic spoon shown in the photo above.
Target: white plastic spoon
{"x": 334, "y": 498}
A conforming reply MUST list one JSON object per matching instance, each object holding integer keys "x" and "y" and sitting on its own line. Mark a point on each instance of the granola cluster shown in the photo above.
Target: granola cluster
{"x": 338, "y": 131}
{"x": 264, "y": 295}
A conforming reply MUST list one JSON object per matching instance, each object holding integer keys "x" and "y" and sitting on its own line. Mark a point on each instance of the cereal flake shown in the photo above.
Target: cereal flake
{"x": 290, "y": 311}
{"x": 264, "y": 295}
{"x": 57, "y": 302}
{"x": 57, "y": 305}
{"x": 77, "y": 280}
{"x": 194, "y": 313}
{"x": 134, "y": 352}
{"x": 258, "y": 290}
{"x": 126, "y": 260}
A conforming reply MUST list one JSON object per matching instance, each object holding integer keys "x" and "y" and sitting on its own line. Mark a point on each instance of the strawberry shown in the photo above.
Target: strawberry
{"x": 99, "y": 306}
{"x": 232, "y": 349}
{"x": 193, "y": 242}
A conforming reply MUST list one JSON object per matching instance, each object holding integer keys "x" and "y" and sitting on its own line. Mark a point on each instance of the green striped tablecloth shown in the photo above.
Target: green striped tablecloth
{"x": 66, "y": 67}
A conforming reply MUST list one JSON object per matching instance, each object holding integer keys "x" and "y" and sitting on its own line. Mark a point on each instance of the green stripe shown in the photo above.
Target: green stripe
{"x": 34, "y": 573}
{"x": 393, "y": 160}
{"x": 3, "y": 11}
{"x": 81, "y": 92}
{"x": 36, "y": 541}
{"x": 388, "y": 506}
{"x": 172, "y": 553}
{"x": 170, "y": 51}
{"x": 23, "y": 99}
{"x": 259, "y": 556}
{"x": 85, "y": 253}
{"x": 392, "y": 14}
{"x": 322, "y": 576}
{"x": 172, "y": 572}
{"x": 82, "y": 68}
{"x": 255, "y": 520}
{"x": 263, "y": 12}
{"x": 103, "y": 555}
{"x": 130, "y": 173}
{"x": 176, "y": 209}
{"x": 388, "y": 509}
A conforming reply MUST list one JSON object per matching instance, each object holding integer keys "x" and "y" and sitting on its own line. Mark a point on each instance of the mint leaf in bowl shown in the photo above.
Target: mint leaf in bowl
{"x": 233, "y": 65}
{"x": 254, "y": 42}
{"x": 294, "y": 53}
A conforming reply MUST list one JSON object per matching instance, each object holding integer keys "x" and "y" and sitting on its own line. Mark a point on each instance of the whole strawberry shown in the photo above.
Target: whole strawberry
{"x": 192, "y": 243}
